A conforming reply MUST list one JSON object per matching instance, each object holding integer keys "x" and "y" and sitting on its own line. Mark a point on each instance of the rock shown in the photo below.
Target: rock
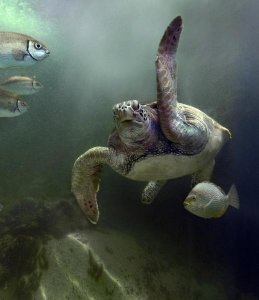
{"x": 76, "y": 272}
{"x": 110, "y": 265}
{"x": 50, "y": 252}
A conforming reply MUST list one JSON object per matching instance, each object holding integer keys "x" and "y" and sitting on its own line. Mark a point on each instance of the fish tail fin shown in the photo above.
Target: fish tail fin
{"x": 233, "y": 197}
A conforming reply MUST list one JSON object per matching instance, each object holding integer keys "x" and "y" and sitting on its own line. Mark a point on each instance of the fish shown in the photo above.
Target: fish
{"x": 18, "y": 49}
{"x": 21, "y": 85}
{"x": 207, "y": 200}
{"x": 11, "y": 105}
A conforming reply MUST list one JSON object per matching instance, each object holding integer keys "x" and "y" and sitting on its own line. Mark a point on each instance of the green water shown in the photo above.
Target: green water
{"x": 102, "y": 53}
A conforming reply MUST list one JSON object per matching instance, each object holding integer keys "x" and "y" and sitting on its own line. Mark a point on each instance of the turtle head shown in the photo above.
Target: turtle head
{"x": 131, "y": 121}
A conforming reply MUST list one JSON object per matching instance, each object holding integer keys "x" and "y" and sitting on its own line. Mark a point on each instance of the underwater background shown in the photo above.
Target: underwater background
{"x": 102, "y": 53}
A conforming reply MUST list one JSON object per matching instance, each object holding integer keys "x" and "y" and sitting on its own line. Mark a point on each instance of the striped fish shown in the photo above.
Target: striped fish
{"x": 207, "y": 200}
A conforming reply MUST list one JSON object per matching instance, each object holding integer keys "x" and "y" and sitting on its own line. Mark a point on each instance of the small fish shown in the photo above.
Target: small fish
{"x": 206, "y": 200}
{"x": 21, "y": 85}
{"x": 17, "y": 49}
{"x": 11, "y": 105}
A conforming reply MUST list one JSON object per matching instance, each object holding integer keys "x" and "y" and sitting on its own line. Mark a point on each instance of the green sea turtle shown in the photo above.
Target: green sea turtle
{"x": 152, "y": 142}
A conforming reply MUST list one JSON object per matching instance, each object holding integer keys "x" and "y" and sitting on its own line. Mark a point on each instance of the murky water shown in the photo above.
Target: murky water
{"x": 102, "y": 53}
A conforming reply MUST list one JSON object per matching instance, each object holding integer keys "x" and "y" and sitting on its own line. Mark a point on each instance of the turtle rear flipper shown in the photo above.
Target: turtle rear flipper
{"x": 151, "y": 190}
{"x": 203, "y": 174}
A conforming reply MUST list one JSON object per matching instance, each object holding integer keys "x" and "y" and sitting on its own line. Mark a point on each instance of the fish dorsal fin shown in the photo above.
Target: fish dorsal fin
{"x": 216, "y": 186}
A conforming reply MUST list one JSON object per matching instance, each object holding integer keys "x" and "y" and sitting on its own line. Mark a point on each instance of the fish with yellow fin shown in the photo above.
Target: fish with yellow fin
{"x": 207, "y": 200}
{"x": 18, "y": 49}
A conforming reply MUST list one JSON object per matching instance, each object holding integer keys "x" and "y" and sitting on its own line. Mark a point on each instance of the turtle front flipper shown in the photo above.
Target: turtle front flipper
{"x": 166, "y": 75}
{"x": 179, "y": 125}
{"x": 169, "y": 44}
{"x": 151, "y": 190}
{"x": 86, "y": 177}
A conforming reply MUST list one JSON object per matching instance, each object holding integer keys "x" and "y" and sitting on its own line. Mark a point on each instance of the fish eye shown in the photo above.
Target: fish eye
{"x": 23, "y": 103}
{"x": 37, "y": 46}
{"x": 192, "y": 198}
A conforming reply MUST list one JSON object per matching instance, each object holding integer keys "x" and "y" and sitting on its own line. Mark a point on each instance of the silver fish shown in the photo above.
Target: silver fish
{"x": 21, "y": 85}
{"x": 206, "y": 200}
{"x": 11, "y": 105}
{"x": 18, "y": 49}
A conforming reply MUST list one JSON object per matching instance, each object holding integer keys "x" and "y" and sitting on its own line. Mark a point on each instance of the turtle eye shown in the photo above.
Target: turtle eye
{"x": 37, "y": 46}
{"x": 135, "y": 105}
